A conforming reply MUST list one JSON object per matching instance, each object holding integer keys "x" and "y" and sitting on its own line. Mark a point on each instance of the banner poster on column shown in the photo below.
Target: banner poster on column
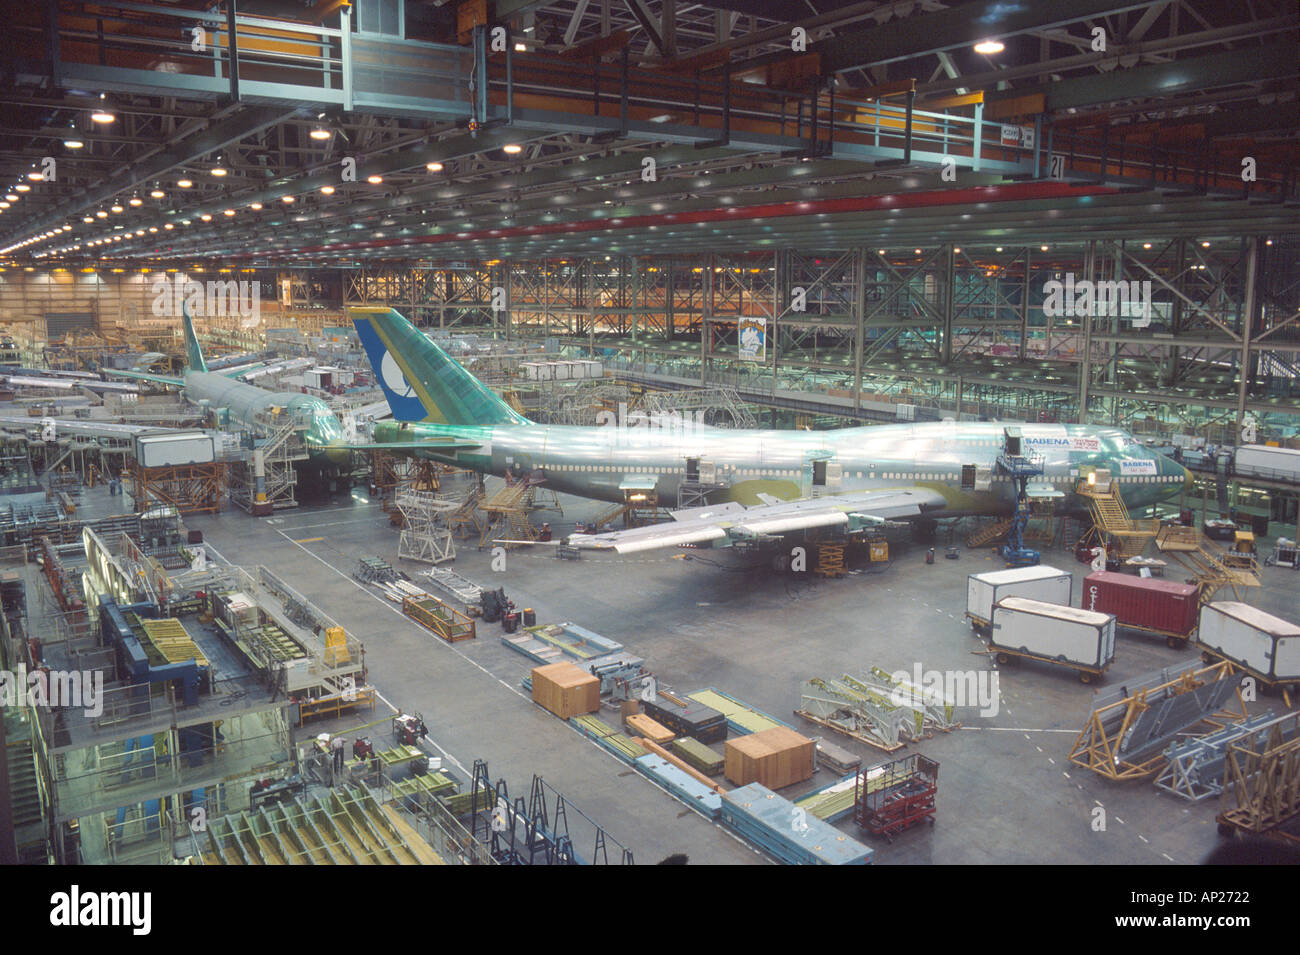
{"x": 753, "y": 338}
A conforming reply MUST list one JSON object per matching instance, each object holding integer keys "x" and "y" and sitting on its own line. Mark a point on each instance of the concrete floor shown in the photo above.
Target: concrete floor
{"x": 1006, "y": 791}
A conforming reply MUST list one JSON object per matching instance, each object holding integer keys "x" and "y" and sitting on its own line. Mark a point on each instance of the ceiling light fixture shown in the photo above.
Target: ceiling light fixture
{"x": 989, "y": 47}
{"x": 185, "y": 183}
{"x": 512, "y": 148}
{"x": 434, "y": 167}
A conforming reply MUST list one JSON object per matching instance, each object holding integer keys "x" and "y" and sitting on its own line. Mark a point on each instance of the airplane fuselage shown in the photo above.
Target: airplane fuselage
{"x": 956, "y": 459}
{"x": 320, "y": 426}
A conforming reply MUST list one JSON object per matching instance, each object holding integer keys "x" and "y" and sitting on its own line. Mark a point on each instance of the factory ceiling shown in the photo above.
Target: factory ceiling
{"x": 133, "y": 132}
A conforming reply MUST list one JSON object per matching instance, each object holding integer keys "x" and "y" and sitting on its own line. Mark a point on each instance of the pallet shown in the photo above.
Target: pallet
{"x": 860, "y": 737}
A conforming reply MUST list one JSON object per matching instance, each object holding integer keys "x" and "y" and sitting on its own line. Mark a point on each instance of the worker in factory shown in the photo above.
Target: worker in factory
{"x": 336, "y": 746}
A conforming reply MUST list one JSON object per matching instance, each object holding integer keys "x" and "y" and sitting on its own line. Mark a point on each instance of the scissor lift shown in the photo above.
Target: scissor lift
{"x": 895, "y": 796}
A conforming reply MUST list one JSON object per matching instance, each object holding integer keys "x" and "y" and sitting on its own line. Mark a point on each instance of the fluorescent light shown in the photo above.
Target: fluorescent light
{"x": 374, "y": 180}
{"x": 229, "y": 212}
{"x": 73, "y": 143}
{"x": 512, "y": 148}
{"x": 102, "y": 214}
{"x": 102, "y": 116}
{"x": 320, "y": 133}
{"x": 168, "y": 226}
{"x": 35, "y": 176}
{"x": 206, "y": 217}
{"x": 989, "y": 47}
{"x": 157, "y": 193}
{"x": 218, "y": 171}
{"x": 185, "y": 183}
{"x": 117, "y": 209}
{"x": 327, "y": 190}
{"x": 255, "y": 206}
{"x": 434, "y": 167}
{"x": 287, "y": 200}
{"x": 22, "y": 187}
{"x": 136, "y": 201}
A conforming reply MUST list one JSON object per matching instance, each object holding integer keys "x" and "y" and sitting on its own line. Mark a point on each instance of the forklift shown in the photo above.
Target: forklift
{"x": 1242, "y": 553}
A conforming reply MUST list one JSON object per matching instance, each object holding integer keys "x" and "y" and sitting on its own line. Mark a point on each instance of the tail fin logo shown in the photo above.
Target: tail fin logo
{"x": 393, "y": 377}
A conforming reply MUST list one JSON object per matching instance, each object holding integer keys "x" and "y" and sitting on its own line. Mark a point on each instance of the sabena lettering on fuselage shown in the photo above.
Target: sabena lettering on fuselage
{"x": 206, "y": 299}
{"x": 1071, "y": 298}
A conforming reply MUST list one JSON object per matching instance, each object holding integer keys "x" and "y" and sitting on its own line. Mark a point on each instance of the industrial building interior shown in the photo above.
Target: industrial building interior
{"x": 545, "y": 432}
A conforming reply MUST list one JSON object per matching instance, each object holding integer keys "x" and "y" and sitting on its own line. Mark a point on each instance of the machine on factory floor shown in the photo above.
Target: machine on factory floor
{"x": 895, "y": 796}
{"x": 408, "y": 728}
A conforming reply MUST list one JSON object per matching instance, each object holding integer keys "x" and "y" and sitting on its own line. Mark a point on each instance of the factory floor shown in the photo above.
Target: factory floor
{"x": 1007, "y": 793}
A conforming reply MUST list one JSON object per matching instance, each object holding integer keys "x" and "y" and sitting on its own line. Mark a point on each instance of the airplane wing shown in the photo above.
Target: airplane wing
{"x": 146, "y": 376}
{"x": 725, "y": 524}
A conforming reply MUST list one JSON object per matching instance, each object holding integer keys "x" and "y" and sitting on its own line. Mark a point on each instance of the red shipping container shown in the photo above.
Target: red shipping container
{"x": 1146, "y": 602}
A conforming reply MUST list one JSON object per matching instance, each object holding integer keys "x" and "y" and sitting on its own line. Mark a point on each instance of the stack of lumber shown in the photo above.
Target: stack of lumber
{"x": 565, "y": 690}
{"x": 698, "y": 755}
{"x": 642, "y": 725}
{"x": 776, "y": 757}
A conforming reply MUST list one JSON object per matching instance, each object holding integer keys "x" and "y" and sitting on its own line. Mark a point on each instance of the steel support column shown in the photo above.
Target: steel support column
{"x": 1248, "y": 316}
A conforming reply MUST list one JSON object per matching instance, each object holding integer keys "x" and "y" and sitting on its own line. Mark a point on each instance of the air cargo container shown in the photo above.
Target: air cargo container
{"x": 1267, "y": 646}
{"x": 1082, "y": 640}
{"x": 174, "y": 449}
{"x": 1271, "y": 464}
{"x": 983, "y": 591}
{"x": 1145, "y": 603}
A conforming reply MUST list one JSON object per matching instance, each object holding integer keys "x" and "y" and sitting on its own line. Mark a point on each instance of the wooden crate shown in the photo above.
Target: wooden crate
{"x": 776, "y": 758}
{"x": 642, "y": 725}
{"x": 566, "y": 689}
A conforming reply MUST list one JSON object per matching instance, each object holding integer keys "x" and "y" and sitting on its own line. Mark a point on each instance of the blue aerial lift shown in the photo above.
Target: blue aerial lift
{"x": 1018, "y": 463}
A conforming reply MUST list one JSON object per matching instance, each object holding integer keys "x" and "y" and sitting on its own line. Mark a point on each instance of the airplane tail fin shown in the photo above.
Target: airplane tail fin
{"x": 193, "y": 354}
{"x": 420, "y": 380}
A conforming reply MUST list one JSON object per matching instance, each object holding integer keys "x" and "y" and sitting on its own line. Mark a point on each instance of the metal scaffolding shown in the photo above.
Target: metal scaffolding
{"x": 427, "y": 536}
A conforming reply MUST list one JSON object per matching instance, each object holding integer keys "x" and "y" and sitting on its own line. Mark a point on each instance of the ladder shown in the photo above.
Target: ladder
{"x": 988, "y": 533}
{"x": 1206, "y": 563}
{"x": 1125, "y": 536}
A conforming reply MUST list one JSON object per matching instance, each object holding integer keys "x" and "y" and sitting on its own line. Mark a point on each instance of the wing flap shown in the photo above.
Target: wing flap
{"x": 733, "y": 521}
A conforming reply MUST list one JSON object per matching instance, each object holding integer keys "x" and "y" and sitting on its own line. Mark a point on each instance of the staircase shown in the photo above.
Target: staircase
{"x": 29, "y": 832}
{"x": 989, "y": 533}
{"x": 1124, "y": 536}
{"x": 1206, "y": 563}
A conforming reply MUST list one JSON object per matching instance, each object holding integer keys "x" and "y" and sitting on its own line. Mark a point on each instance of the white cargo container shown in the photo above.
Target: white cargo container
{"x": 1266, "y": 645}
{"x": 1067, "y": 636}
{"x": 594, "y": 369}
{"x": 1273, "y": 464}
{"x": 173, "y": 449}
{"x": 560, "y": 370}
{"x": 983, "y": 591}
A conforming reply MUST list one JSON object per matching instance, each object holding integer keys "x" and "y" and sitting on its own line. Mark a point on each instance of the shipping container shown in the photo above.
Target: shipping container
{"x": 983, "y": 591}
{"x": 1273, "y": 464}
{"x": 1268, "y": 646}
{"x": 1145, "y": 603}
{"x": 1066, "y": 636}
{"x": 174, "y": 449}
